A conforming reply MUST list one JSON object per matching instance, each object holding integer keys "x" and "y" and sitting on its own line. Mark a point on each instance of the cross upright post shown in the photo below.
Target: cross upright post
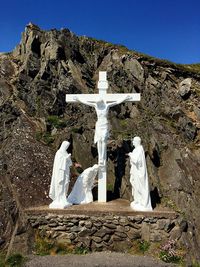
{"x": 102, "y": 102}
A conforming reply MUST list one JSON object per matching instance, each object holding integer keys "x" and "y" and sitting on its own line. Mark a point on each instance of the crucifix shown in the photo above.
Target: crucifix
{"x": 102, "y": 102}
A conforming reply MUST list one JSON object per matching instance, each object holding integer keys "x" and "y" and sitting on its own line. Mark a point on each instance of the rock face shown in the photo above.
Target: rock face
{"x": 34, "y": 119}
{"x": 184, "y": 88}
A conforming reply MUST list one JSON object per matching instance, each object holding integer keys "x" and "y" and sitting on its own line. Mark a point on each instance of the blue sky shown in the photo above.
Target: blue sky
{"x": 168, "y": 29}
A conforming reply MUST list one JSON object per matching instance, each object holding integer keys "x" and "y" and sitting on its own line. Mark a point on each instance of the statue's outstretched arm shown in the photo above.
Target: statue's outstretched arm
{"x": 89, "y": 103}
{"x": 127, "y": 97}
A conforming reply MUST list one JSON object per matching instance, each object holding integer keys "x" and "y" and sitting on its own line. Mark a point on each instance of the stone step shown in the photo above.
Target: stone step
{"x": 120, "y": 207}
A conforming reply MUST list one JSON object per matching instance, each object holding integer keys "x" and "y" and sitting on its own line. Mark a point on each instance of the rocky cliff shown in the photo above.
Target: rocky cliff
{"x": 34, "y": 119}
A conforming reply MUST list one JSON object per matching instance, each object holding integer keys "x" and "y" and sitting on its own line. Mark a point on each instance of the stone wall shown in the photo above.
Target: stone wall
{"x": 107, "y": 232}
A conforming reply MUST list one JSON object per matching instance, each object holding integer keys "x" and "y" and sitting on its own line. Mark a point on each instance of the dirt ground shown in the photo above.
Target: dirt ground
{"x": 97, "y": 259}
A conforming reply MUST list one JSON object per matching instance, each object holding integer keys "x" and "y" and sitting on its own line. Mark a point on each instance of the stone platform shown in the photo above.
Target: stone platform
{"x": 119, "y": 207}
{"x": 112, "y": 226}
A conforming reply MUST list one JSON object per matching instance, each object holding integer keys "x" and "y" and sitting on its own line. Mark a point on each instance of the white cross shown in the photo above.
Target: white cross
{"x": 102, "y": 102}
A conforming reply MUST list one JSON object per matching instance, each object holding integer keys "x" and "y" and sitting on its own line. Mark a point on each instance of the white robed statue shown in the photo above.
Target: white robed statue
{"x": 139, "y": 178}
{"x": 82, "y": 190}
{"x": 60, "y": 178}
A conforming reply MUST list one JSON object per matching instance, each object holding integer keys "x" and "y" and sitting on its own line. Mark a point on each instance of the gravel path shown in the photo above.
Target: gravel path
{"x": 97, "y": 259}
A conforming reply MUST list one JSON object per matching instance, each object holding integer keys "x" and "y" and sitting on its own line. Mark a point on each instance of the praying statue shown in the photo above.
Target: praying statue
{"x": 82, "y": 190}
{"x": 102, "y": 125}
{"x": 60, "y": 178}
{"x": 139, "y": 178}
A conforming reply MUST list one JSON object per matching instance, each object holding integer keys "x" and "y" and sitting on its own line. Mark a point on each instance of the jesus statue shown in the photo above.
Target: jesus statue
{"x": 102, "y": 125}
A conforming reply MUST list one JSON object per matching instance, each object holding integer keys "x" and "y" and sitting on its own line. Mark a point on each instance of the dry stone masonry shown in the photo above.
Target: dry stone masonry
{"x": 109, "y": 232}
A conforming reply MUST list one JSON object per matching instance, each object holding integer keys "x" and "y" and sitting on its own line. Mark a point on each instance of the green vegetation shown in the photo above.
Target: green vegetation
{"x": 193, "y": 67}
{"x": 110, "y": 187}
{"x": 45, "y": 246}
{"x": 38, "y": 104}
{"x": 14, "y": 260}
{"x": 123, "y": 123}
{"x": 165, "y": 201}
{"x": 2, "y": 260}
{"x": 143, "y": 246}
{"x": 166, "y": 257}
{"x": 75, "y": 130}
{"x": 81, "y": 250}
{"x": 56, "y": 122}
{"x": 46, "y": 137}
{"x": 188, "y": 68}
{"x": 122, "y": 135}
{"x": 97, "y": 41}
{"x": 169, "y": 253}
{"x": 195, "y": 264}
{"x": 140, "y": 247}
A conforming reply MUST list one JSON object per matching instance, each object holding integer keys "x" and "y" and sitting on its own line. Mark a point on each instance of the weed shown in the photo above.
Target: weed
{"x": 15, "y": 260}
{"x": 38, "y": 136}
{"x": 144, "y": 246}
{"x": 170, "y": 204}
{"x": 62, "y": 249}
{"x": 123, "y": 123}
{"x": 47, "y": 247}
{"x": 46, "y": 137}
{"x": 169, "y": 254}
{"x": 2, "y": 260}
{"x": 38, "y": 104}
{"x": 122, "y": 135}
{"x": 56, "y": 122}
{"x": 43, "y": 246}
{"x": 166, "y": 257}
{"x": 195, "y": 264}
{"x": 81, "y": 250}
{"x": 140, "y": 247}
{"x": 77, "y": 130}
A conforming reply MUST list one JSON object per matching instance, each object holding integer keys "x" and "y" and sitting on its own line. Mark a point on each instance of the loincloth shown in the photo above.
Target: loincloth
{"x": 101, "y": 131}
